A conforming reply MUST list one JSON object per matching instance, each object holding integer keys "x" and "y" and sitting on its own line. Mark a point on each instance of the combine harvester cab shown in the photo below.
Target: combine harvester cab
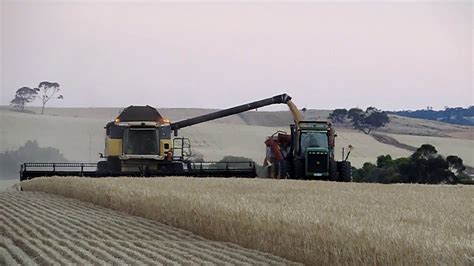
{"x": 139, "y": 142}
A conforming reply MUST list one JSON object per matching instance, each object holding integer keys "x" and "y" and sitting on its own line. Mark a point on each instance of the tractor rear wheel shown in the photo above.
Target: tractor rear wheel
{"x": 344, "y": 171}
{"x": 291, "y": 170}
{"x": 299, "y": 169}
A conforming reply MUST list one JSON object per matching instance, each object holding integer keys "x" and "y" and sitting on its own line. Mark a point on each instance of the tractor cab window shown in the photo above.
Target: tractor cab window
{"x": 141, "y": 141}
{"x": 314, "y": 140}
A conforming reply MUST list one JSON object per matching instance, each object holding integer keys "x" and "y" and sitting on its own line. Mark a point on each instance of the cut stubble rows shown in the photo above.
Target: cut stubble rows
{"x": 37, "y": 228}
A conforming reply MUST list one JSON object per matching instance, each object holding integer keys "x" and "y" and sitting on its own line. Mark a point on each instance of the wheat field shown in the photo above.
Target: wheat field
{"x": 37, "y": 228}
{"x": 315, "y": 223}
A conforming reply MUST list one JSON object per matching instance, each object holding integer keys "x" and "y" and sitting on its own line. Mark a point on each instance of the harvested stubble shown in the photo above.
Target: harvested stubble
{"x": 37, "y": 228}
{"x": 306, "y": 221}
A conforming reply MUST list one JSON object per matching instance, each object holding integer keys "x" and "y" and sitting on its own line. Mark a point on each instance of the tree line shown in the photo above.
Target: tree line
{"x": 455, "y": 115}
{"x": 424, "y": 166}
{"x": 45, "y": 92}
{"x": 10, "y": 161}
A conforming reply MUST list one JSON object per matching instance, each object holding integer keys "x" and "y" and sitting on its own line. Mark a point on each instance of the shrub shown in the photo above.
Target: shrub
{"x": 10, "y": 161}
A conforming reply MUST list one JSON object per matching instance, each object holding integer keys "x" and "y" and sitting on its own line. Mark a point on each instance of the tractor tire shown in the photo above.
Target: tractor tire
{"x": 291, "y": 170}
{"x": 333, "y": 171}
{"x": 299, "y": 169}
{"x": 344, "y": 171}
{"x": 114, "y": 166}
{"x": 103, "y": 168}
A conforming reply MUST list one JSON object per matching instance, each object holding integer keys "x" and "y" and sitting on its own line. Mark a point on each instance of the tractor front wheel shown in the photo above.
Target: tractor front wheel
{"x": 299, "y": 169}
{"x": 332, "y": 171}
{"x": 344, "y": 171}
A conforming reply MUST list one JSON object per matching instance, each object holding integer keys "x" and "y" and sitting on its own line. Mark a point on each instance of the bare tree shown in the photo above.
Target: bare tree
{"x": 48, "y": 91}
{"x": 23, "y": 96}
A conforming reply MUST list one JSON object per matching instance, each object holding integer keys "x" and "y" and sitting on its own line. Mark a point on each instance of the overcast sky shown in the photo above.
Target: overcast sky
{"x": 393, "y": 56}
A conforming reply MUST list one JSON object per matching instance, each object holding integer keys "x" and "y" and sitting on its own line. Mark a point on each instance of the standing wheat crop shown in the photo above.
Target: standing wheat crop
{"x": 310, "y": 222}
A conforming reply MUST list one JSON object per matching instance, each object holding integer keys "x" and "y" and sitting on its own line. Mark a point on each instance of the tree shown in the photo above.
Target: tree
{"x": 338, "y": 115}
{"x": 10, "y": 161}
{"x": 437, "y": 171}
{"x": 375, "y": 119}
{"x": 365, "y": 121}
{"x": 355, "y": 114}
{"x": 455, "y": 164}
{"x": 48, "y": 91}
{"x": 424, "y": 166}
{"x": 369, "y": 120}
{"x": 384, "y": 161}
{"x": 455, "y": 115}
{"x": 363, "y": 174}
{"x": 23, "y": 96}
{"x": 425, "y": 151}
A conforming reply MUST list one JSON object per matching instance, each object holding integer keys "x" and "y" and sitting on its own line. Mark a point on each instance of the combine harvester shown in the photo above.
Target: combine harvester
{"x": 139, "y": 142}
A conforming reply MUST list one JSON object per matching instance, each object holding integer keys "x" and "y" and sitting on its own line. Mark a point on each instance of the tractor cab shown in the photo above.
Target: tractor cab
{"x": 313, "y": 151}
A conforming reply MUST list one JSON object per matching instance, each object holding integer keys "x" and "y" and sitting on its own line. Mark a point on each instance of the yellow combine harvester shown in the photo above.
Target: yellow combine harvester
{"x": 139, "y": 142}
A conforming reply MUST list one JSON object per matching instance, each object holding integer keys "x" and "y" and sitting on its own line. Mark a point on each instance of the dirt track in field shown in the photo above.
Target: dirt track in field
{"x": 37, "y": 228}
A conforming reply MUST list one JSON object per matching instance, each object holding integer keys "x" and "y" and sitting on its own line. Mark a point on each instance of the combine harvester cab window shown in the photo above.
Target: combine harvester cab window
{"x": 141, "y": 141}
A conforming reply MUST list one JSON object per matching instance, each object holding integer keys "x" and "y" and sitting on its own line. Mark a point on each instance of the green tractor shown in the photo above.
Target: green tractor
{"x": 306, "y": 153}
